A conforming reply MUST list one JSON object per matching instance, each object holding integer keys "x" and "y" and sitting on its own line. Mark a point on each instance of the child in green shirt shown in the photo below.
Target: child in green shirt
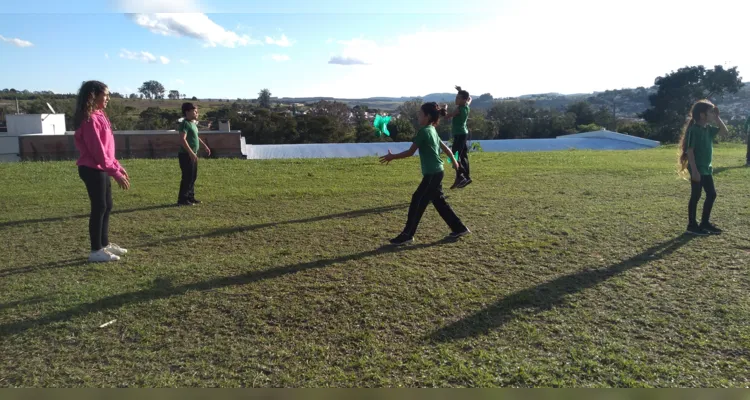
{"x": 460, "y": 132}
{"x": 188, "y": 155}
{"x": 430, "y": 190}
{"x": 696, "y": 157}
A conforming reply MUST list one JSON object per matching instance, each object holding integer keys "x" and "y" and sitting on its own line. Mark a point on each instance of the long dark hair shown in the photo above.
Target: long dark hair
{"x": 86, "y": 101}
{"x": 700, "y": 107}
{"x": 434, "y": 112}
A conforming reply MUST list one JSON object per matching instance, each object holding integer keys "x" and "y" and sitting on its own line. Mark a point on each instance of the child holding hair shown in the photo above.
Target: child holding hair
{"x": 695, "y": 156}
{"x": 188, "y": 155}
{"x": 96, "y": 164}
{"x": 430, "y": 190}
{"x": 460, "y": 132}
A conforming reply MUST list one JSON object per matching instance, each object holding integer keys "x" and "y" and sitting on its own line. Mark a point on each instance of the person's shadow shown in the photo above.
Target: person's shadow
{"x": 162, "y": 287}
{"x": 547, "y": 295}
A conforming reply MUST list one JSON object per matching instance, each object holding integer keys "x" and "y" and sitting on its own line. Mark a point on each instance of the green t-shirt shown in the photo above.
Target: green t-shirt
{"x": 701, "y": 140}
{"x": 191, "y": 129}
{"x": 458, "y": 126}
{"x": 429, "y": 150}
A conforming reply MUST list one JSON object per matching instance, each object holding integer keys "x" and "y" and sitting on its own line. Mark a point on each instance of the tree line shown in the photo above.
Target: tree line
{"x": 334, "y": 122}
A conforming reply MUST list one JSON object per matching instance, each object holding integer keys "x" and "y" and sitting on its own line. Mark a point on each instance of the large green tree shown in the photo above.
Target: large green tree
{"x": 677, "y": 91}
{"x": 152, "y": 90}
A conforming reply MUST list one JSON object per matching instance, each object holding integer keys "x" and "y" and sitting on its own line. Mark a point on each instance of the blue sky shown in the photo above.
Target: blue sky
{"x": 349, "y": 49}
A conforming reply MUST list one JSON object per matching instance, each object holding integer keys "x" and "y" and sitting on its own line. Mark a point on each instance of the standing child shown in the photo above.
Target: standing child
{"x": 96, "y": 164}
{"x": 460, "y": 132}
{"x": 429, "y": 145}
{"x": 695, "y": 156}
{"x": 188, "y": 155}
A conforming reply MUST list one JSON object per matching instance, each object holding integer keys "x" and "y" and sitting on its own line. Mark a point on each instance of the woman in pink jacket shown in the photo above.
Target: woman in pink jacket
{"x": 96, "y": 165}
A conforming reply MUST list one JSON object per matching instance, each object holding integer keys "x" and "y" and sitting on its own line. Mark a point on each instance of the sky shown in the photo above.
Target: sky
{"x": 347, "y": 49}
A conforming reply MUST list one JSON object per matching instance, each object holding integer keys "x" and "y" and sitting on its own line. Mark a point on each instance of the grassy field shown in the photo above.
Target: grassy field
{"x": 577, "y": 274}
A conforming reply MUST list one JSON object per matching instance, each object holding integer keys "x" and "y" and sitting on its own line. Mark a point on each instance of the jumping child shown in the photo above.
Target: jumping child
{"x": 460, "y": 132}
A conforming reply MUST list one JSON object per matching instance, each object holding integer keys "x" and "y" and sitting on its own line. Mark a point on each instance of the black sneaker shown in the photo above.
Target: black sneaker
{"x": 401, "y": 240}
{"x": 194, "y": 201}
{"x": 710, "y": 229}
{"x": 184, "y": 203}
{"x": 464, "y": 183}
{"x": 457, "y": 182}
{"x": 456, "y": 235}
{"x": 696, "y": 230}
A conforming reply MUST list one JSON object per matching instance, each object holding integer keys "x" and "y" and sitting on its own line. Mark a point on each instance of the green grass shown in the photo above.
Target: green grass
{"x": 577, "y": 274}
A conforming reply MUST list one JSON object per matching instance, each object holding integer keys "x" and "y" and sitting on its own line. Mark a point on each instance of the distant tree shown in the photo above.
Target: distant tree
{"x": 264, "y": 98}
{"x": 115, "y": 95}
{"x": 152, "y": 90}
{"x": 409, "y": 110}
{"x": 133, "y": 96}
{"x": 583, "y": 111}
{"x": 677, "y": 91}
{"x": 174, "y": 95}
{"x": 194, "y": 98}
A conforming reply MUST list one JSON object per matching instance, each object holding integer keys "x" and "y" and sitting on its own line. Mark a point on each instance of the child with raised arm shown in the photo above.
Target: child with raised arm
{"x": 430, "y": 190}
{"x": 696, "y": 156}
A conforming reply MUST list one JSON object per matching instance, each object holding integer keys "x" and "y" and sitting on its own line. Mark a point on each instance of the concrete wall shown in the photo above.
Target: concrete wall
{"x": 24, "y": 124}
{"x": 9, "y": 148}
{"x": 162, "y": 144}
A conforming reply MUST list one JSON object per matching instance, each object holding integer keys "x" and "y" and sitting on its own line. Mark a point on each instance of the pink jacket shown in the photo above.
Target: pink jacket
{"x": 96, "y": 143}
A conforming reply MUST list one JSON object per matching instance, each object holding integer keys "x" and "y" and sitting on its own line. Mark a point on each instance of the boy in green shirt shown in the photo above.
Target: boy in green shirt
{"x": 460, "y": 132}
{"x": 188, "y": 155}
{"x": 430, "y": 190}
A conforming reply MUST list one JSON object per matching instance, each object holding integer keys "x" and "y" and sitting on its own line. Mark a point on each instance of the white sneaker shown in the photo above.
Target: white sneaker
{"x": 102, "y": 256}
{"x": 116, "y": 250}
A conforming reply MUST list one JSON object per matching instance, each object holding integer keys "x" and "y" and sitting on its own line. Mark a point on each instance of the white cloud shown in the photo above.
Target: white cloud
{"x": 143, "y": 56}
{"x": 283, "y": 41}
{"x": 571, "y": 47}
{"x": 329, "y": 41}
{"x": 16, "y": 41}
{"x": 140, "y": 55}
{"x": 193, "y": 25}
{"x": 106, "y": 55}
{"x": 185, "y": 61}
{"x": 278, "y": 57}
{"x": 179, "y": 81}
{"x": 356, "y": 52}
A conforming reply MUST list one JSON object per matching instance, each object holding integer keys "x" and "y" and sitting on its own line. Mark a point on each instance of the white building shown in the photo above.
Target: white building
{"x": 27, "y": 124}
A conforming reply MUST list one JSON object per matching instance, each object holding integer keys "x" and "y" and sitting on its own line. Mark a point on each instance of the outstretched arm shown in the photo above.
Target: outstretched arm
{"x": 404, "y": 154}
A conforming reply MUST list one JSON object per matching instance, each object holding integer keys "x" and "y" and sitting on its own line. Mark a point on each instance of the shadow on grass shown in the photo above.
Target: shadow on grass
{"x": 13, "y": 304}
{"x": 42, "y": 267}
{"x": 216, "y": 233}
{"x": 162, "y": 288}
{"x": 248, "y": 228}
{"x": 57, "y": 219}
{"x": 547, "y": 295}
{"x": 720, "y": 170}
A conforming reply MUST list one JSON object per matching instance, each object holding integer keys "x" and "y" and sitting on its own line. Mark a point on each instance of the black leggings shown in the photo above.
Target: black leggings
{"x": 99, "y": 187}
{"x": 431, "y": 191}
{"x": 707, "y": 184}
{"x": 460, "y": 146}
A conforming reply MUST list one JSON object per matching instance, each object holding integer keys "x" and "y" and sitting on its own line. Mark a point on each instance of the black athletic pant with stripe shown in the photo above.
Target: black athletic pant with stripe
{"x": 460, "y": 146}
{"x": 431, "y": 191}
